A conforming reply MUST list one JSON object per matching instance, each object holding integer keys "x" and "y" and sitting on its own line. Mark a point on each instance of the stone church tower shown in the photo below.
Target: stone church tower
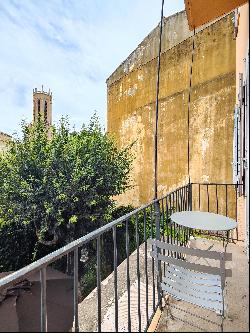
{"x": 42, "y": 106}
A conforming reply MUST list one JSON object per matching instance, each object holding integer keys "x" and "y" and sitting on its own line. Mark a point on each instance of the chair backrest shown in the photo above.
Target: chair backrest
{"x": 199, "y": 284}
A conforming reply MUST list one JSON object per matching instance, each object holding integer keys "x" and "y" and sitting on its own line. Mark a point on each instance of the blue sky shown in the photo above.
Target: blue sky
{"x": 71, "y": 47}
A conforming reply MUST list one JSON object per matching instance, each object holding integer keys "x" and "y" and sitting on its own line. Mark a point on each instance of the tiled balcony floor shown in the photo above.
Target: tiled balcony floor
{"x": 236, "y": 298}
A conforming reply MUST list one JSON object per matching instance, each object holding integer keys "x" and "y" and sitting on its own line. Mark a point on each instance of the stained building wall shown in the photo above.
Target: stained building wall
{"x": 4, "y": 139}
{"x": 131, "y": 107}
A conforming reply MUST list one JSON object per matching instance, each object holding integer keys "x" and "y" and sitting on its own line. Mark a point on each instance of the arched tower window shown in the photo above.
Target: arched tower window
{"x": 39, "y": 108}
{"x": 46, "y": 112}
{"x": 34, "y": 112}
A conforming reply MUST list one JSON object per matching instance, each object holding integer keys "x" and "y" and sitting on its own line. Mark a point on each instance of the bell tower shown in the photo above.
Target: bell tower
{"x": 42, "y": 106}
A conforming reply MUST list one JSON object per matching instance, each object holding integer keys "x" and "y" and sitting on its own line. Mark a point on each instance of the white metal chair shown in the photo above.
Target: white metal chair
{"x": 198, "y": 284}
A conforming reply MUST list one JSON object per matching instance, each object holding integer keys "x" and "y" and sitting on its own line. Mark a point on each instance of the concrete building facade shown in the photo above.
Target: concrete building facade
{"x": 200, "y": 12}
{"x": 131, "y": 93}
{"x": 4, "y": 139}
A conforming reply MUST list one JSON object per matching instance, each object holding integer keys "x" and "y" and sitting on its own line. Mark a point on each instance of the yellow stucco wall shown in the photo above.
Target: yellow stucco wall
{"x": 131, "y": 108}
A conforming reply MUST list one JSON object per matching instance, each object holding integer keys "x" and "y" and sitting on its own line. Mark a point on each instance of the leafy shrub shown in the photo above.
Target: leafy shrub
{"x": 56, "y": 185}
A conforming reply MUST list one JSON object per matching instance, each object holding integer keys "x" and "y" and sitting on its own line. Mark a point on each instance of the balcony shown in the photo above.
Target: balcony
{"x": 126, "y": 296}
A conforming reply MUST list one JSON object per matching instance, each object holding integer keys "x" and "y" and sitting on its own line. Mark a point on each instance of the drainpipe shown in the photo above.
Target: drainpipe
{"x": 157, "y": 205}
{"x": 157, "y": 107}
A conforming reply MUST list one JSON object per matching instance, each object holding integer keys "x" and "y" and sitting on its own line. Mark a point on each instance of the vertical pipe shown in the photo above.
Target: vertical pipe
{"x": 217, "y": 202}
{"x": 153, "y": 263}
{"x": 128, "y": 277}
{"x": 188, "y": 230}
{"x": 236, "y": 211}
{"x": 171, "y": 211}
{"x": 158, "y": 236}
{"x": 146, "y": 262}
{"x": 178, "y": 234}
{"x": 199, "y": 196}
{"x": 163, "y": 235}
{"x": 208, "y": 198}
{"x": 183, "y": 208}
{"x": 189, "y": 104}
{"x": 190, "y": 200}
{"x": 98, "y": 275}
{"x": 186, "y": 206}
{"x": 179, "y": 196}
{"x": 163, "y": 231}
{"x": 190, "y": 196}
{"x": 138, "y": 273}
{"x": 175, "y": 203}
{"x": 157, "y": 106}
{"x": 163, "y": 219}
{"x": 178, "y": 199}
{"x": 183, "y": 198}
{"x": 76, "y": 290}
{"x": 227, "y": 210}
{"x": 226, "y": 201}
{"x": 43, "y": 284}
{"x": 167, "y": 219}
{"x": 115, "y": 278}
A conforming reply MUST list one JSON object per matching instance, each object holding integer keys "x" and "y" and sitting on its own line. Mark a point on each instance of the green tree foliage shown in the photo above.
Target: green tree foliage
{"x": 55, "y": 186}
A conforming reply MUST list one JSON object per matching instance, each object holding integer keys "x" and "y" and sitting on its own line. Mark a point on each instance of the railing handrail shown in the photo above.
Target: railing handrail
{"x": 50, "y": 258}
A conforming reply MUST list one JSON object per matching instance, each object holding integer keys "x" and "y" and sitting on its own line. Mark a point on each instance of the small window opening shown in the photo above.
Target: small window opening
{"x": 39, "y": 108}
{"x": 45, "y": 112}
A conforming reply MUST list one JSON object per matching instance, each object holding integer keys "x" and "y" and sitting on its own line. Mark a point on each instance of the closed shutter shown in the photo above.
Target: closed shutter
{"x": 236, "y": 148}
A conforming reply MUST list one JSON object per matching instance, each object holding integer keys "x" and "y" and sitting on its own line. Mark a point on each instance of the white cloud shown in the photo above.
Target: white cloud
{"x": 70, "y": 47}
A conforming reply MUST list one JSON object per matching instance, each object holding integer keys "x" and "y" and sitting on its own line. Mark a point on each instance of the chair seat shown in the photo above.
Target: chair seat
{"x": 198, "y": 288}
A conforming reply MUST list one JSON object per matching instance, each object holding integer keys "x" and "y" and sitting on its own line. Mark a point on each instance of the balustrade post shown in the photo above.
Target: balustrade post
{"x": 190, "y": 197}
{"x": 158, "y": 262}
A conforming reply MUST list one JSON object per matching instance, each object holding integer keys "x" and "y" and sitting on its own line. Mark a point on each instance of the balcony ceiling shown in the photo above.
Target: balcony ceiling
{"x": 200, "y": 12}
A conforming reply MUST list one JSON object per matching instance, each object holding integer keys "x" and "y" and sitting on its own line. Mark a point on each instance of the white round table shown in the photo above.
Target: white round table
{"x": 203, "y": 221}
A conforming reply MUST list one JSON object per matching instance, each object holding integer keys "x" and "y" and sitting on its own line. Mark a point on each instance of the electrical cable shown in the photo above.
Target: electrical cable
{"x": 157, "y": 107}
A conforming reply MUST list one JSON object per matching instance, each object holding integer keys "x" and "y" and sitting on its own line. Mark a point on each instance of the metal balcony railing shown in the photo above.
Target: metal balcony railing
{"x": 149, "y": 221}
{"x": 217, "y": 198}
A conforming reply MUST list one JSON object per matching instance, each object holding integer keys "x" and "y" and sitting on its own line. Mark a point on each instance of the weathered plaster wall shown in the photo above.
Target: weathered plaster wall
{"x": 131, "y": 107}
{"x": 175, "y": 30}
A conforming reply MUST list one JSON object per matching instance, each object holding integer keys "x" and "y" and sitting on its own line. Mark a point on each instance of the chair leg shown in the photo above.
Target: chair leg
{"x": 223, "y": 307}
{"x": 169, "y": 313}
